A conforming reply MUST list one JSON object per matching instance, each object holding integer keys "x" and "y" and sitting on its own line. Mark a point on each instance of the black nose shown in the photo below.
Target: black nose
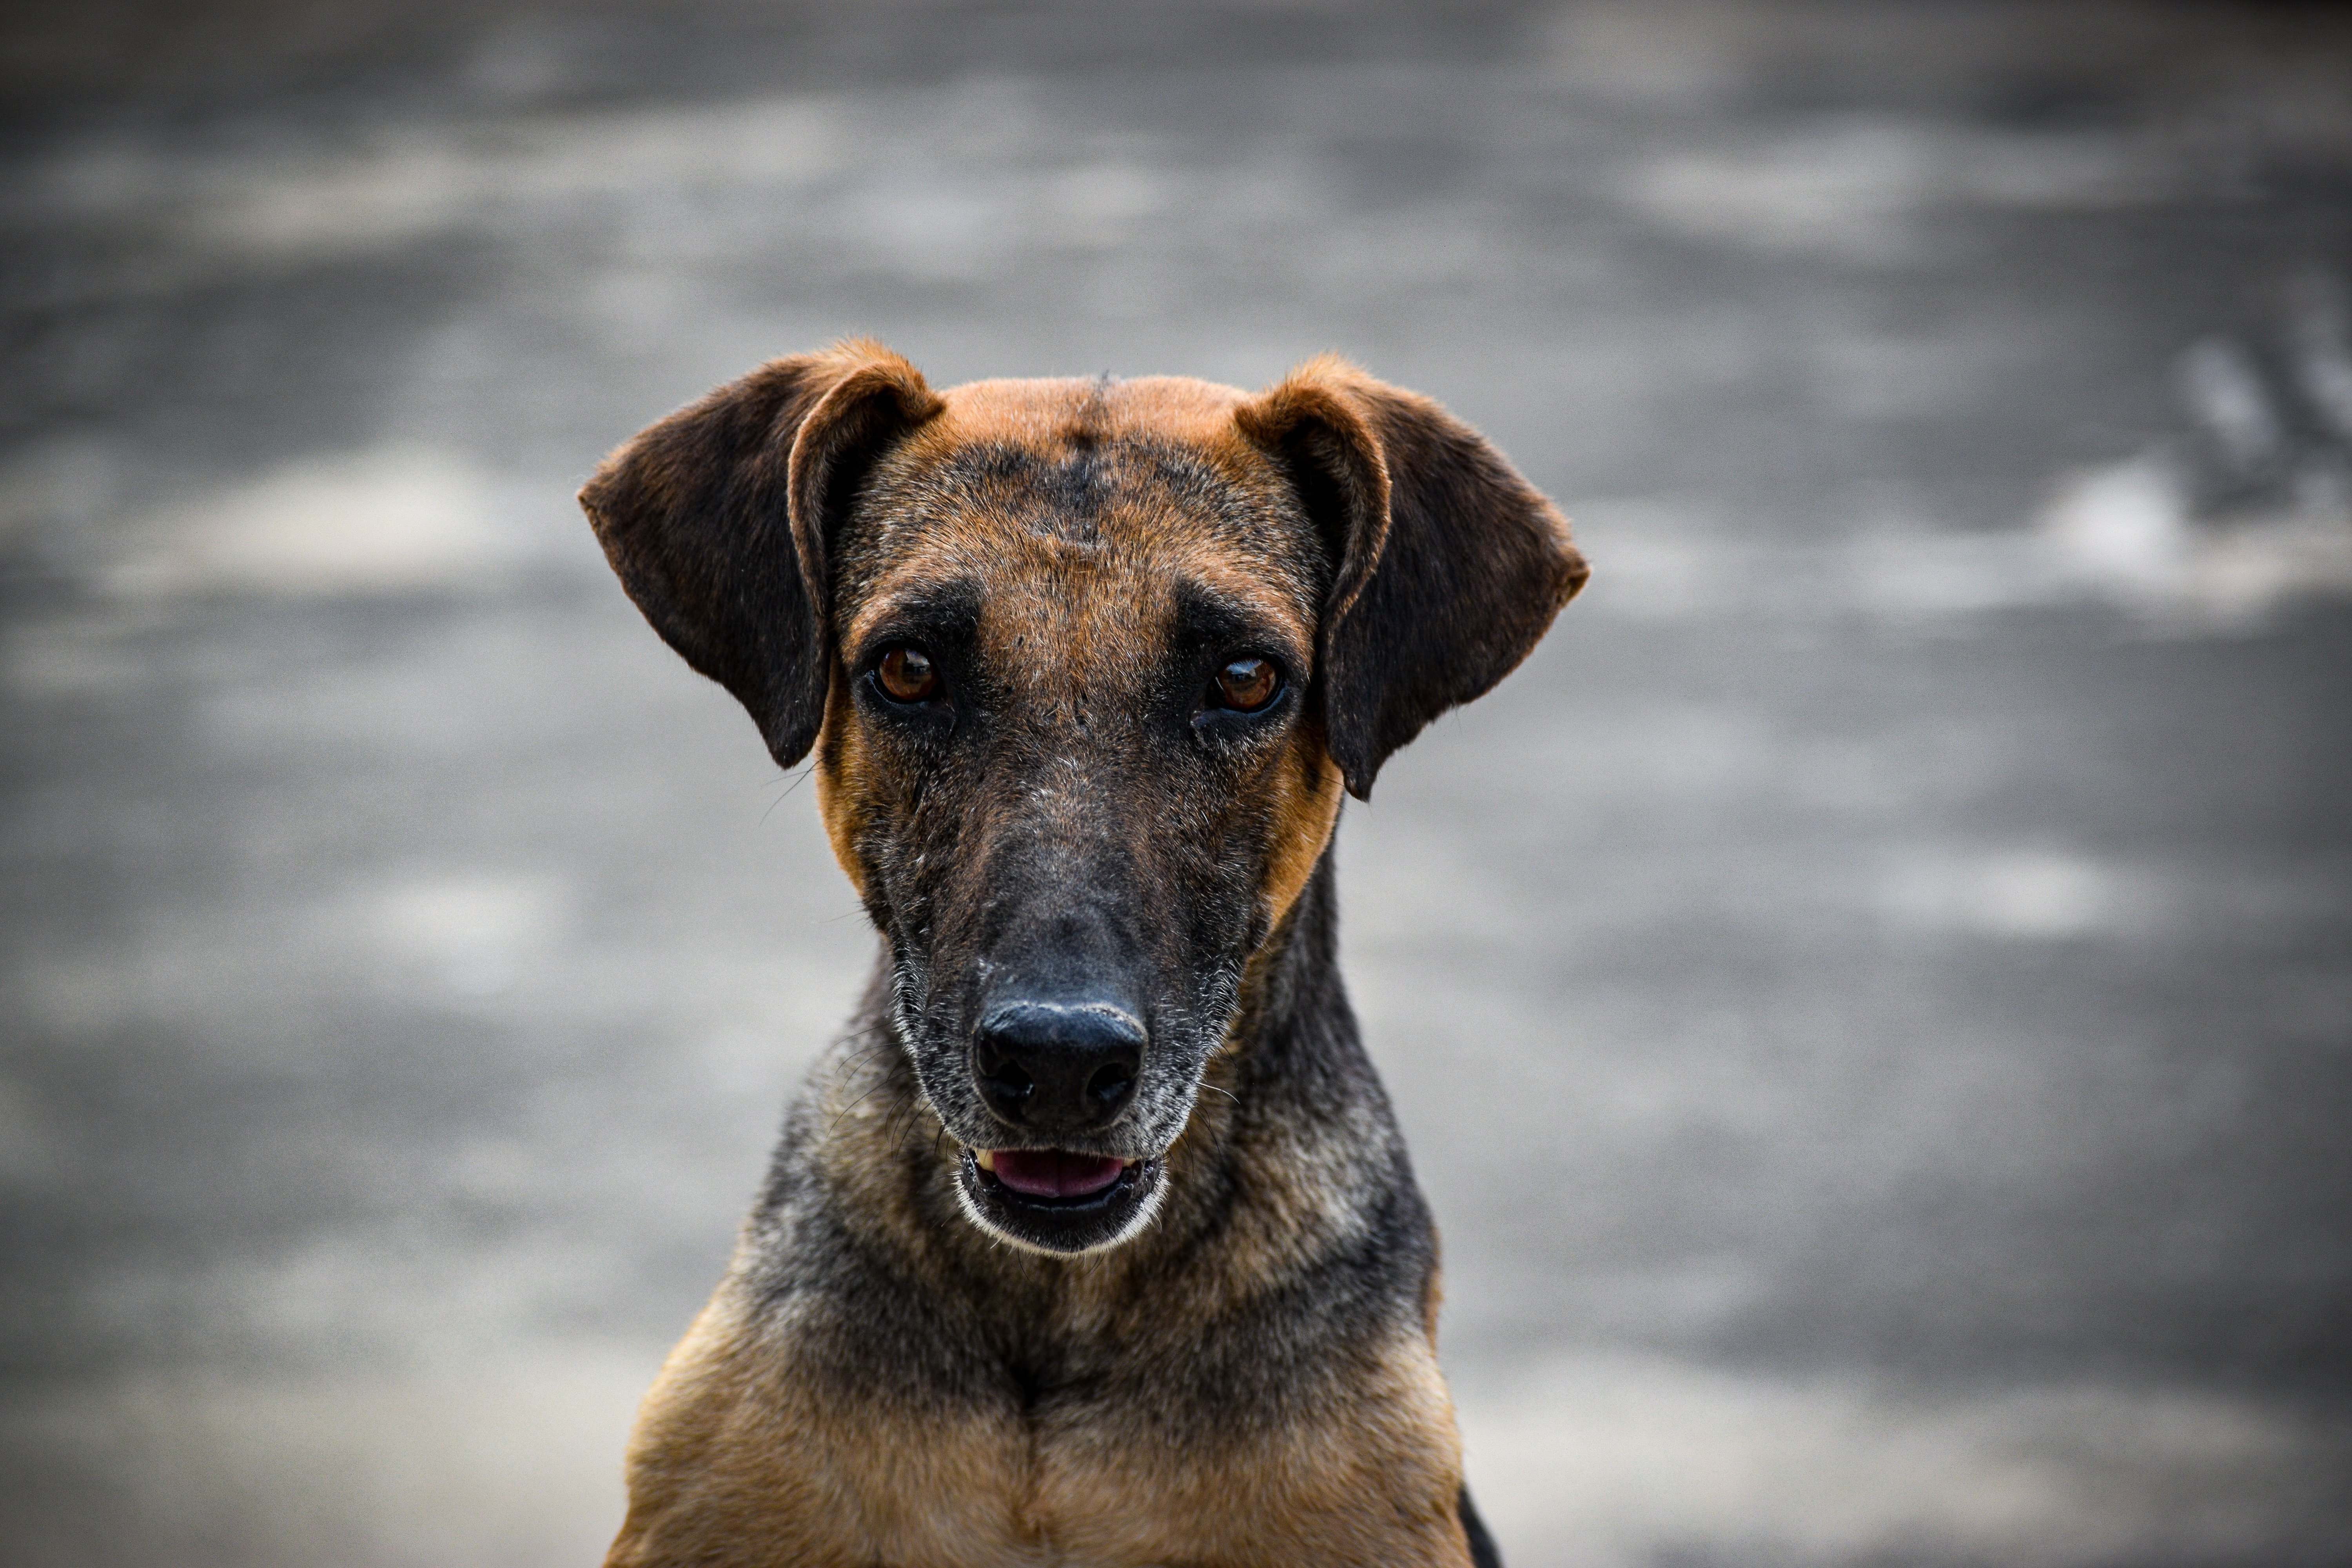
{"x": 1057, "y": 1066}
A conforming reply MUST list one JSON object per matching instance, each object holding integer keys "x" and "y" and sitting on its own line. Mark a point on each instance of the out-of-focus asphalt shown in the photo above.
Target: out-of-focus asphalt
{"x": 1872, "y": 999}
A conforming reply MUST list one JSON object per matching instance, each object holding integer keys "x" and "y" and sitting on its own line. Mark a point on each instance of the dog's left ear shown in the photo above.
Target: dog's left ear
{"x": 1447, "y": 566}
{"x": 721, "y": 519}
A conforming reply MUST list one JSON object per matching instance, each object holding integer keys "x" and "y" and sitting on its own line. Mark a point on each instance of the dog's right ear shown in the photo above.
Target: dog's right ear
{"x": 721, "y": 519}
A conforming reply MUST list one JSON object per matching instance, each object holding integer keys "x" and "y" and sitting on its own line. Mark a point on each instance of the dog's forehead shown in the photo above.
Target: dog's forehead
{"x": 1094, "y": 506}
{"x": 1174, "y": 408}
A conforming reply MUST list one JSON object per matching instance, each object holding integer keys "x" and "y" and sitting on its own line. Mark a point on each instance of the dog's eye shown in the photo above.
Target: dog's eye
{"x": 1245, "y": 686}
{"x": 906, "y": 674}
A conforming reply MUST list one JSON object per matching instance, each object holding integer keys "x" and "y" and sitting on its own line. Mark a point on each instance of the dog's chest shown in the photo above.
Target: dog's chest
{"x": 767, "y": 1448}
{"x": 1103, "y": 1479}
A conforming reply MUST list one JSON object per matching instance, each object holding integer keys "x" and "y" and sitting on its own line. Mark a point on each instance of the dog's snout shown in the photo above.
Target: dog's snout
{"x": 1057, "y": 1068}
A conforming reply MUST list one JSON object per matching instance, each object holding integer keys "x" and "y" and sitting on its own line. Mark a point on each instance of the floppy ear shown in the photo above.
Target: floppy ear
{"x": 720, "y": 520}
{"x": 1447, "y": 565}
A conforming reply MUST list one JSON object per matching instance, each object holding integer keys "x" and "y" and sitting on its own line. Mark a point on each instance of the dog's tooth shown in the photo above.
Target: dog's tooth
{"x": 985, "y": 1158}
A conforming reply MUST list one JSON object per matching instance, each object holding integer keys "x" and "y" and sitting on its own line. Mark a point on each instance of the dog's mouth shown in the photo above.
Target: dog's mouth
{"x": 1054, "y": 1200}
{"x": 1051, "y": 1175}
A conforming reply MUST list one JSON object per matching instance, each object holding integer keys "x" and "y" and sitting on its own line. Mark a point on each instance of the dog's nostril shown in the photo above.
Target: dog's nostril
{"x": 1011, "y": 1082}
{"x": 1109, "y": 1083}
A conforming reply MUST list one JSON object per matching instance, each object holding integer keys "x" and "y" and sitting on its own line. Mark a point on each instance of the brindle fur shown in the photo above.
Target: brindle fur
{"x": 1247, "y": 1373}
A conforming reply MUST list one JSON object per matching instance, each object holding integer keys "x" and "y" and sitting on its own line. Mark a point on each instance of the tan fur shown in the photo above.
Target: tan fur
{"x": 1306, "y": 792}
{"x": 739, "y": 1458}
{"x": 743, "y": 1459}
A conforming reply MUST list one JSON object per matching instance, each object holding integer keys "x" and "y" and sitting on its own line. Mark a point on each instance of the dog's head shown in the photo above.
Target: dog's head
{"x": 1087, "y": 667}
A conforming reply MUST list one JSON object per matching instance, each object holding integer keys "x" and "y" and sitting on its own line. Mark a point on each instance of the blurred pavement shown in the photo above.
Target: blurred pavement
{"x": 1872, "y": 999}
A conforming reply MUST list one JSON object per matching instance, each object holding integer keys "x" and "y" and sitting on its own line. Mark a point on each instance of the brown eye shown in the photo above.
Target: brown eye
{"x": 908, "y": 675}
{"x": 1246, "y": 685}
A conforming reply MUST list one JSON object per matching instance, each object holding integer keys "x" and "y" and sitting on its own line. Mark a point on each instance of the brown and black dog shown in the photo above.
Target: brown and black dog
{"x": 1094, "y": 1242}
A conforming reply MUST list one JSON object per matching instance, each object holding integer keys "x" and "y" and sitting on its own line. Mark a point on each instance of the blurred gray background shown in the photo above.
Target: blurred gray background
{"x": 1872, "y": 999}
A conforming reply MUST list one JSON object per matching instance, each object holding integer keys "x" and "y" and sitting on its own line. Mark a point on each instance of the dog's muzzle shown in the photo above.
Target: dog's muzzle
{"x": 1058, "y": 1076}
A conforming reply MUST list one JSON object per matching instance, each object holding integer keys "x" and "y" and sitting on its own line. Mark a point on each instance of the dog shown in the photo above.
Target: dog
{"x": 1093, "y": 1241}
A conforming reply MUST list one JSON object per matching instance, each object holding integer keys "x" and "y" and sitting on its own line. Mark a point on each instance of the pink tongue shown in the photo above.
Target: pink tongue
{"x": 1051, "y": 1174}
